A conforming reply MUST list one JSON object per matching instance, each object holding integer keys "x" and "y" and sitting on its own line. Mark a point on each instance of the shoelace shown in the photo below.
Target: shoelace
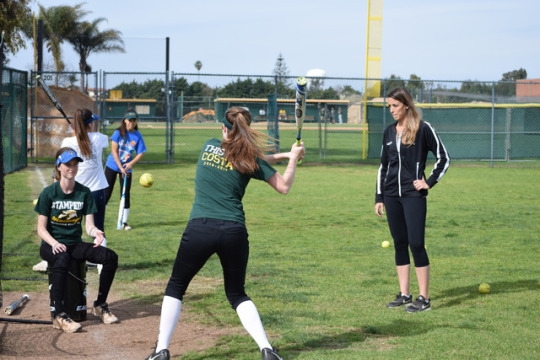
{"x": 66, "y": 318}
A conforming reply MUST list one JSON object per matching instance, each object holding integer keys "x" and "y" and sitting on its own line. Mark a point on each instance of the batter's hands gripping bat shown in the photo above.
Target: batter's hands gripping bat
{"x": 16, "y": 304}
{"x": 120, "y": 223}
{"x": 51, "y": 97}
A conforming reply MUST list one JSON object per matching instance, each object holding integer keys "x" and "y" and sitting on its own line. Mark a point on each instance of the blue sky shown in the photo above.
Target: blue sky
{"x": 436, "y": 40}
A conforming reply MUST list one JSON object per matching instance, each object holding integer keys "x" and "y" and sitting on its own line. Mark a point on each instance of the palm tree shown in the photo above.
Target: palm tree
{"x": 59, "y": 22}
{"x": 87, "y": 39}
{"x": 198, "y": 66}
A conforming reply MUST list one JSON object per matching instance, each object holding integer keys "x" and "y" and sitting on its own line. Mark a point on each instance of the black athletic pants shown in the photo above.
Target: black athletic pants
{"x": 201, "y": 239}
{"x": 407, "y": 222}
{"x": 80, "y": 251}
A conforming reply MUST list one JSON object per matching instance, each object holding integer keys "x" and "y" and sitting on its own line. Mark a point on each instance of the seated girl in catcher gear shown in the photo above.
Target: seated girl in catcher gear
{"x": 61, "y": 208}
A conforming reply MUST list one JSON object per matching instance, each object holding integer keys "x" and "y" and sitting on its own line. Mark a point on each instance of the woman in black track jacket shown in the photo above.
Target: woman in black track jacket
{"x": 402, "y": 188}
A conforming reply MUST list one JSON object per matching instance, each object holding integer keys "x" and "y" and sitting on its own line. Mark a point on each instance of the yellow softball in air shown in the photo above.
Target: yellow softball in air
{"x": 146, "y": 180}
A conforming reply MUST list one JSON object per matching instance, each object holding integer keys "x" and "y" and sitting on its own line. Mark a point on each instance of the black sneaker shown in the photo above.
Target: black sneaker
{"x": 270, "y": 354}
{"x": 400, "y": 300}
{"x": 161, "y": 355}
{"x": 420, "y": 304}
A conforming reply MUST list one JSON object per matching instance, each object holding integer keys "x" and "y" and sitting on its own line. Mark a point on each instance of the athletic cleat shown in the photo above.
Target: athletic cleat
{"x": 420, "y": 304}
{"x": 41, "y": 266}
{"x": 161, "y": 355}
{"x": 104, "y": 313}
{"x": 400, "y": 300}
{"x": 64, "y": 323}
{"x": 126, "y": 227}
{"x": 270, "y": 354}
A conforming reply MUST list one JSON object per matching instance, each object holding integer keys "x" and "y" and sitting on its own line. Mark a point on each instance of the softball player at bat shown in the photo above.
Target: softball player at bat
{"x": 217, "y": 225}
{"x": 402, "y": 189}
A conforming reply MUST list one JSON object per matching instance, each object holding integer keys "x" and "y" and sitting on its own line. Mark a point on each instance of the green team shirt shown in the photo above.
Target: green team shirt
{"x": 219, "y": 188}
{"x": 65, "y": 212}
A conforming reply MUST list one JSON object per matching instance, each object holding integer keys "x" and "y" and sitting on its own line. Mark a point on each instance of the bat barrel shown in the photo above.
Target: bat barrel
{"x": 16, "y": 304}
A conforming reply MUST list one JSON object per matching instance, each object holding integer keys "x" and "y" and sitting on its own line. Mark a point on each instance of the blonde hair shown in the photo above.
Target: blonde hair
{"x": 413, "y": 115}
{"x": 243, "y": 145}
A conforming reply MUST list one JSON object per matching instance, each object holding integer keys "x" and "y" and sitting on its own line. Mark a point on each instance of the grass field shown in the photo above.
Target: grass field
{"x": 317, "y": 271}
{"x": 339, "y": 143}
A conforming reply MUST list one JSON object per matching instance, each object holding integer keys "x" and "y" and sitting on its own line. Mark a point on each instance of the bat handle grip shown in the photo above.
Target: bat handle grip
{"x": 298, "y": 143}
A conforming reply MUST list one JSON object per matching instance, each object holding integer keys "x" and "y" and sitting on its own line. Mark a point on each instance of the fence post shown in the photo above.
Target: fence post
{"x": 492, "y": 121}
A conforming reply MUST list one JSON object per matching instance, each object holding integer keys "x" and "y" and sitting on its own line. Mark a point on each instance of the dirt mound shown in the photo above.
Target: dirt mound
{"x": 133, "y": 337}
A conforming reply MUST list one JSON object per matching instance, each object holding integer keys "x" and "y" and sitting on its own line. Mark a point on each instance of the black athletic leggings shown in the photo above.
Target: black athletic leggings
{"x": 407, "y": 222}
{"x": 201, "y": 239}
{"x": 111, "y": 176}
{"x": 80, "y": 251}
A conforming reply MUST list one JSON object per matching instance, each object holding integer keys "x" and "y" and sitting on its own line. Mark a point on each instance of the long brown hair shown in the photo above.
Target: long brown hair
{"x": 123, "y": 128}
{"x": 413, "y": 116}
{"x": 82, "y": 129}
{"x": 243, "y": 144}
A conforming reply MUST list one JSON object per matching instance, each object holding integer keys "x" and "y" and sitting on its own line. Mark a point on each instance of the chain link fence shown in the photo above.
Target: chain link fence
{"x": 178, "y": 111}
{"x": 14, "y": 113}
{"x": 47, "y": 126}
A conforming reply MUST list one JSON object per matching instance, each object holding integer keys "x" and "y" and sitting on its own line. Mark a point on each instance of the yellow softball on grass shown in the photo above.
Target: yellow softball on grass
{"x": 385, "y": 244}
{"x": 146, "y": 180}
{"x": 484, "y": 288}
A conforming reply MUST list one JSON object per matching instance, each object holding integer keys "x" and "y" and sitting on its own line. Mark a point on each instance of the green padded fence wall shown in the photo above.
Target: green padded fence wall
{"x": 471, "y": 131}
{"x": 14, "y": 118}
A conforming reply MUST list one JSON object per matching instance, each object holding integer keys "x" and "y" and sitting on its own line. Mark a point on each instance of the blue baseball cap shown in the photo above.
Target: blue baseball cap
{"x": 67, "y": 156}
{"x": 94, "y": 117}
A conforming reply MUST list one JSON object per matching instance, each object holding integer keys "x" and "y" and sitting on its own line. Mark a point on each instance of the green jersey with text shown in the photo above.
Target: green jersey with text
{"x": 219, "y": 188}
{"x": 65, "y": 212}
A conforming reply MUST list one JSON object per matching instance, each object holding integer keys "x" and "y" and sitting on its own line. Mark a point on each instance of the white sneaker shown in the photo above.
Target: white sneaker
{"x": 42, "y": 266}
{"x": 104, "y": 313}
{"x": 64, "y": 323}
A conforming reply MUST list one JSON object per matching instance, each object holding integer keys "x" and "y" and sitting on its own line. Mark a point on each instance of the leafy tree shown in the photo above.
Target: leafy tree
{"x": 476, "y": 88}
{"x": 247, "y": 89}
{"x": 13, "y": 15}
{"x": 507, "y": 85}
{"x": 281, "y": 71}
{"x": 87, "y": 39}
{"x": 180, "y": 86}
{"x": 515, "y": 75}
{"x": 415, "y": 84}
{"x": 392, "y": 83}
{"x": 326, "y": 94}
{"x": 348, "y": 91}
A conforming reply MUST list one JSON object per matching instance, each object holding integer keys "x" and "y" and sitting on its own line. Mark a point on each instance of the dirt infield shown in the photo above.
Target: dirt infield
{"x": 133, "y": 337}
